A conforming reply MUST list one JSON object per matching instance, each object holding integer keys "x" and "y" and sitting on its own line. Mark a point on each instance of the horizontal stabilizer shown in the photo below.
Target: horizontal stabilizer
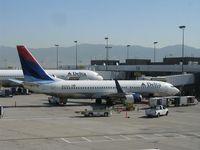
{"x": 19, "y": 82}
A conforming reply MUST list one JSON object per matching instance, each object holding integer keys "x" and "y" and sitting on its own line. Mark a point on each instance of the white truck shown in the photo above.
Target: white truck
{"x": 156, "y": 111}
{"x": 97, "y": 113}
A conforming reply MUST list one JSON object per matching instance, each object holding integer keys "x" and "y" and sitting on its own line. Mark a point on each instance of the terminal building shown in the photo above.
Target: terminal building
{"x": 184, "y": 73}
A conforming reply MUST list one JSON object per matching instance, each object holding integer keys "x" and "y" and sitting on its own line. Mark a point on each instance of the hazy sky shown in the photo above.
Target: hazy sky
{"x": 43, "y": 23}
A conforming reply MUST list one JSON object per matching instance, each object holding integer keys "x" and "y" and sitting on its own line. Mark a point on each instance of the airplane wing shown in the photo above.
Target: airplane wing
{"x": 120, "y": 93}
{"x": 15, "y": 81}
{"x": 123, "y": 95}
{"x": 119, "y": 88}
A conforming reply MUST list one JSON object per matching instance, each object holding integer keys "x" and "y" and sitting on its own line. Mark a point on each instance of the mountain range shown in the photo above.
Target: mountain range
{"x": 87, "y": 52}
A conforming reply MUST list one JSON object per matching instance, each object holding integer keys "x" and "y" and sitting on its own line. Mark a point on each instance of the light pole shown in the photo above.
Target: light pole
{"x": 154, "y": 56}
{"x": 56, "y": 45}
{"x": 127, "y": 51}
{"x": 182, "y": 27}
{"x": 107, "y": 48}
{"x": 117, "y": 70}
{"x": 76, "y": 53}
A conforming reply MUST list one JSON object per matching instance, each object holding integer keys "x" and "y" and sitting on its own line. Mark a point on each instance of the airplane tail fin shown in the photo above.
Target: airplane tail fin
{"x": 32, "y": 70}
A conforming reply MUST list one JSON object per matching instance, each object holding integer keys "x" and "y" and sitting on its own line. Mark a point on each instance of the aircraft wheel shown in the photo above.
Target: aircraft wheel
{"x": 158, "y": 115}
{"x": 99, "y": 101}
{"x": 106, "y": 114}
{"x": 90, "y": 114}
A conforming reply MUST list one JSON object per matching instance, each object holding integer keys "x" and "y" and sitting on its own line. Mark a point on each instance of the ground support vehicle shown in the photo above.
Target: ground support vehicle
{"x": 97, "y": 113}
{"x": 156, "y": 111}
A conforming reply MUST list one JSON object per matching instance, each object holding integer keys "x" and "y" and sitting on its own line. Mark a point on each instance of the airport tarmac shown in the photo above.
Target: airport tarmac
{"x": 34, "y": 124}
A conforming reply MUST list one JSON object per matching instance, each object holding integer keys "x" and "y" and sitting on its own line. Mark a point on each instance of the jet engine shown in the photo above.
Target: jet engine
{"x": 134, "y": 97}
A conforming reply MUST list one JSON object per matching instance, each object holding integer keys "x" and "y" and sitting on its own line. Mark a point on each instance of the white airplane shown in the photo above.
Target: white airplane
{"x": 6, "y": 76}
{"x": 38, "y": 80}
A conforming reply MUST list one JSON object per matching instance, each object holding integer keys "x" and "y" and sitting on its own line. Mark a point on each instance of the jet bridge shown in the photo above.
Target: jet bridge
{"x": 176, "y": 80}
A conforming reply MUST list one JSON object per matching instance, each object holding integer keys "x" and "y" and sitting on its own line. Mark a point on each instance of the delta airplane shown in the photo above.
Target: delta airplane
{"x": 38, "y": 80}
{"x": 6, "y": 76}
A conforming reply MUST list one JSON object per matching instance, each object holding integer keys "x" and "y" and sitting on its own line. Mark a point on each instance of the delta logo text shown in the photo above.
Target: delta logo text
{"x": 151, "y": 85}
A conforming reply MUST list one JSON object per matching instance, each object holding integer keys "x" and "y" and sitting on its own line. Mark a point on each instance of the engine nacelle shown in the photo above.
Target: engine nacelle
{"x": 137, "y": 97}
{"x": 134, "y": 98}
{"x": 129, "y": 98}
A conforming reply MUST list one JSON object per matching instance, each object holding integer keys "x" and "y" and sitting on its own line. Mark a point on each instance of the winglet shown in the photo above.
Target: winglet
{"x": 32, "y": 70}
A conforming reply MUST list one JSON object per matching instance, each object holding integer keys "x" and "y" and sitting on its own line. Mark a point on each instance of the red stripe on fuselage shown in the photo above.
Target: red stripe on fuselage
{"x": 24, "y": 52}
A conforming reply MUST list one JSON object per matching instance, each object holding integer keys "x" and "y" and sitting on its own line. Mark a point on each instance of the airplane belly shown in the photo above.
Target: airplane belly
{"x": 79, "y": 94}
{"x": 32, "y": 88}
{"x": 72, "y": 95}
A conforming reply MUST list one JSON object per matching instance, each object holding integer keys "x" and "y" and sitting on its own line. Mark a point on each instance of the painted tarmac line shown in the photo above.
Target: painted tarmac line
{"x": 63, "y": 139}
{"x": 195, "y": 134}
{"x": 180, "y": 136}
{"x": 140, "y": 136}
{"x": 125, "y": 137}
{"x": 158, "y": 134}
{"x": 88, "y": 140}
{"x": 107, "y": 137}
{"x": 101, "y": 141}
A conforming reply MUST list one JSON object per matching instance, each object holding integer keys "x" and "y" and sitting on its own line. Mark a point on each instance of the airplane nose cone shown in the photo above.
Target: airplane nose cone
{"x": 100, "y": 78}
{"x": 178, "y": 92}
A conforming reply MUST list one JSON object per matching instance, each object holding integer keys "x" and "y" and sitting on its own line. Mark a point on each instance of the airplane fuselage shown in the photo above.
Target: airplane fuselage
{"x": 5, "y": 75}
{"x": 99, "y": 89}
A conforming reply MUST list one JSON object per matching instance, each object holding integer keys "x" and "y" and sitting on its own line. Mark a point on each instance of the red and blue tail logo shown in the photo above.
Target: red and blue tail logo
{"x": 32, "y": 70}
